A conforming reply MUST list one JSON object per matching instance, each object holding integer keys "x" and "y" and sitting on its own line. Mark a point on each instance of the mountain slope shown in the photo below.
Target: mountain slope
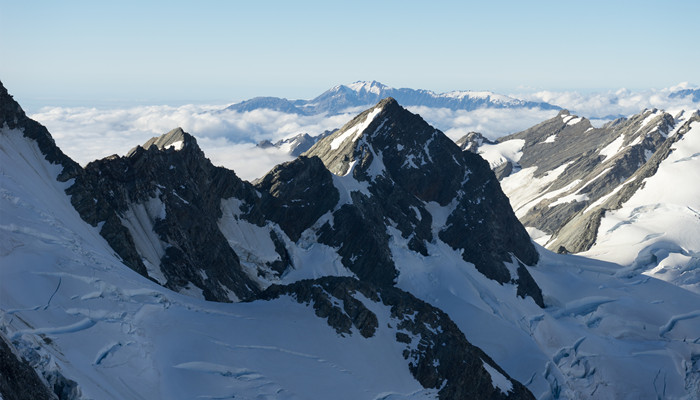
{"x": 565, "y": 177}
{"x": 158, "y": 208}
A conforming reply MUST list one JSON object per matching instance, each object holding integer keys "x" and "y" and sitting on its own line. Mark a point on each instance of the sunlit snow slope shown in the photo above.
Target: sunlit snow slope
{"x": 658, "y": 228}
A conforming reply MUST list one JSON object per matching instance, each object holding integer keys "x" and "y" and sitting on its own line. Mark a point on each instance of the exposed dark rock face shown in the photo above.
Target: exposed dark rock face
{"x": 18, "y": 380}
{"x": 487, "y": 229}
{"x": 181, "y": 192}
{"x": 295, "y": 145}
{"x": 438, "y": 354}
{"x": 408, "y": 167}
{"x": 358, "y": 234}
{"x": 592, "y": 164}
{"x": 332, "y": 299}
{"x": 296, "y": 194}
{"x": 28, "y": 372}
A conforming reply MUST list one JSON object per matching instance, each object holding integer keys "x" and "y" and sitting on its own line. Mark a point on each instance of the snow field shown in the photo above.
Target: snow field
{"x": 602, "y": 335}
{"x": 658, "y": 228}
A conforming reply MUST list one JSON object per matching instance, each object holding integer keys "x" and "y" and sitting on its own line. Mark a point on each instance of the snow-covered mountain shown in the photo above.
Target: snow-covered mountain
{"x": 364, "y": 94}
{"x": 105, "y": 331}
{"x": 372, "y": 266}
{"x": 624, "y": 192}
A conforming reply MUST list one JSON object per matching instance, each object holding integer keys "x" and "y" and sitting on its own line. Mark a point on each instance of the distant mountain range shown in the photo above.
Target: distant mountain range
{"x": 694, "y": 93}
{"x": 364, "y": 94}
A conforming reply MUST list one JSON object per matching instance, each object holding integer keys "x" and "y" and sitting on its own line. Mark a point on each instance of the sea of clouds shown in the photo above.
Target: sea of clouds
{"x": 615, "y": 103}
{"x": 228, "y": 137}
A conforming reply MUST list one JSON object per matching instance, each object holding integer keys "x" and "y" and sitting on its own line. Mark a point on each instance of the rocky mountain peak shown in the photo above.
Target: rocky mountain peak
{"x": 399, "y": 171}
{"x": 472, "y": 140}
{"x": 159, "y": 206}
{"x": 388, "y": 142}
{"x": 338, "y": 150}
{"x": 176, "y": 139}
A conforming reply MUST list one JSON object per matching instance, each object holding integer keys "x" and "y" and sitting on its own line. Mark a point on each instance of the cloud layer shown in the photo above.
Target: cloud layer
{"x": 616, "y": 102}
{"x": 491, "y": 122}
{"x": 228, "y": 137}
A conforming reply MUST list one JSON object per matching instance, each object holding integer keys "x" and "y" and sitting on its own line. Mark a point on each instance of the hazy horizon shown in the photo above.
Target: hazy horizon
{"x": 33, "y": 105}
{"x": 162, "y": 52}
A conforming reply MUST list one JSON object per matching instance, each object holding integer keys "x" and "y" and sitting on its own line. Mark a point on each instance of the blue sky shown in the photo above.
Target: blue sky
{"x": 135, "y": 52}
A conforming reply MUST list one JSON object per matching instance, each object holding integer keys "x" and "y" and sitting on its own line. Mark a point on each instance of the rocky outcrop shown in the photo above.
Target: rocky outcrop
{"x": 296, "y": 194}
{"x": 18, "y": 380}
{"x": 438, "y": 354}
{"x": 167, "y": 188}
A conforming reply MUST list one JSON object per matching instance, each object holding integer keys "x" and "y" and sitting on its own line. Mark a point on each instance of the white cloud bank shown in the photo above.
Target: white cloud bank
{"x": 616, "y": 102}
{"x": 228, "y": 137}
{"x": 491, "y": 122}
